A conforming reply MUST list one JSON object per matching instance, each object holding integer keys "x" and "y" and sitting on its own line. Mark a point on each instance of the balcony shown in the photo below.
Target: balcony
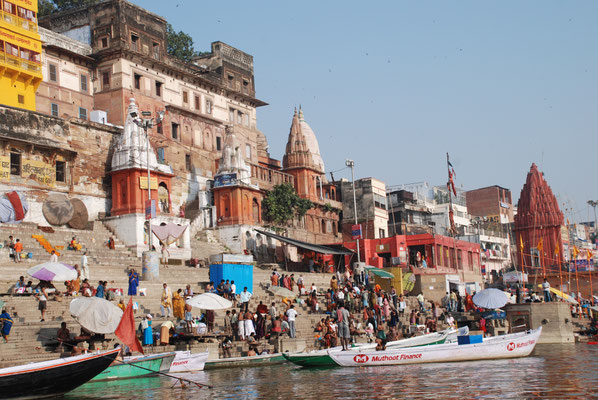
{"x": 19, "y": 63}
{"x": 18, "y": 21}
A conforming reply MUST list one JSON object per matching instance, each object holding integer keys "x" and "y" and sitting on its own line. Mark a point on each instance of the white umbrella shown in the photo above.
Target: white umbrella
{"x": 490, "y": 298}
{"x": 209, "y": 301}
{"x": 95, "y": 314}
{"x": 282, "y": 292}
{"x": 53, "y": 271}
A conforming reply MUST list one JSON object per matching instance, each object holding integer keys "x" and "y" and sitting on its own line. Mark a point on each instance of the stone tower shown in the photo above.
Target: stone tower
{"x": 538, "y": 219}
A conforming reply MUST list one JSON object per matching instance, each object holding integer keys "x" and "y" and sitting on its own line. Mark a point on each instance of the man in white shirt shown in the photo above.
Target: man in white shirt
{"x": 291, "y": 315}
{"x": 546, "y": 288}
{"x": 84, "y": 266}
{"x": 313, "y": 288}
{"x": 53, "y": 257}
{"x": 245, "y": 296}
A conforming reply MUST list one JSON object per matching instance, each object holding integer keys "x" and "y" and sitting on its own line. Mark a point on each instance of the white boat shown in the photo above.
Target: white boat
{"x": 185, "y": 361}
{"x": 506, "y": 346}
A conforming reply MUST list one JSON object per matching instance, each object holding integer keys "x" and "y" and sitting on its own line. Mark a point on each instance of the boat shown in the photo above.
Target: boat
{"x": 320, "y": 358}
{"x": 185, "y": 361}
{"x": 251, "y": 361}
{"x": 506, "y": 346}
{"x": 134, "y": 367}
{"x": 53, "y": 378}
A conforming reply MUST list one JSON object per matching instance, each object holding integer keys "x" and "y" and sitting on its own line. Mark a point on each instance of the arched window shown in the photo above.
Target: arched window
{"x": 163, "y": 198}
{"x": 224, "y": 210}
{"x": 323, "y": 226}
{"x": 255, "y": 208}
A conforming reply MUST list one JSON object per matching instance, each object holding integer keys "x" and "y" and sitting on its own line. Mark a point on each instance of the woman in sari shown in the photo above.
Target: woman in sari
{"x": 133, "y": 282}
{"x": 178, "y": 305}
{"x": 146, "y": 328}
{"x": 6, "y": 324}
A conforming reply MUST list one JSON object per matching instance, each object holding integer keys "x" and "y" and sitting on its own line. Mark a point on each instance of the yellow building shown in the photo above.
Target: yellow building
{"x": 20, "y": 53}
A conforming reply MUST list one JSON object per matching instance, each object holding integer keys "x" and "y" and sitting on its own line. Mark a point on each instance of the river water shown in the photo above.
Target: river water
{"x": 551, "y": 372}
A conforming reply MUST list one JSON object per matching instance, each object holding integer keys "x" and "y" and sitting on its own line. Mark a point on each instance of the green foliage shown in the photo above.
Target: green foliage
{"x": 180, "y": 45}
{"x": 283, "y": 204}
{"x": 46, "y": 7}
{"x": 328, "y": 208}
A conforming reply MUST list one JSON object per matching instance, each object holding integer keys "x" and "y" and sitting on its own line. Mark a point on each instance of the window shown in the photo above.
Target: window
{"x": 104, "y": 42}
{"x": 231, "y": 115}
{"x": 161, "y": 155}
{"x": 245, "y": 119}
{"x": 188, "y": 162}
{"x": 105, "y": 80}
{"x": 158, "y": 89}
{"x": 21, "y": 99}
{"x": 83, "y": 83}
{"x": 137, "y": 79}
{"x": 134, "y": 42}
{"x": 185, "y": 97}
{"x": 218, "y": 143}
{"x": 380, "y": 201}
{"x": 9, "y": 8}
{"x": 175, "y": 130}
{"x": 53, "y": 72}
{"x": 54, "y": 109}
{"x": 239, "y": 117}
{"x": 208, "y": 106}
{"x": 248, "y": 151}
{"x": 156, "y": 50}
{"x": 159, "y": 128}
{"x": 15, "y": 163}
{"x": 245, "y": 85}
{"x": 381, "y": 233}
{"x": 82, "y": 113}
{"x": 196, "y": 100}
{"x": 60, "y": 171}
{"x": 231, "y": 81}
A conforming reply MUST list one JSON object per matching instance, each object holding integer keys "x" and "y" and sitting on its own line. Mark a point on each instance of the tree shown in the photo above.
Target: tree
{"x": 282, "y": 204}
{"x": 46, "y": 7}
{"x": 180, "y": 45}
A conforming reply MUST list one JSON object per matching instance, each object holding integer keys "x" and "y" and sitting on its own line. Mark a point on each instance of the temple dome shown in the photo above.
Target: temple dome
{"x": 302, "y": 149}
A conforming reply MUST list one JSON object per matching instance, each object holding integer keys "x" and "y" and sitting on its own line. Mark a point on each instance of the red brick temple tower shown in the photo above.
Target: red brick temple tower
{"x": 538, "y": 224}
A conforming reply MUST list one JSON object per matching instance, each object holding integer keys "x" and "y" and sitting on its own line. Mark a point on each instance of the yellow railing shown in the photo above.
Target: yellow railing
{"x": 19, "y": 62}
{"x": 18, "y": 21}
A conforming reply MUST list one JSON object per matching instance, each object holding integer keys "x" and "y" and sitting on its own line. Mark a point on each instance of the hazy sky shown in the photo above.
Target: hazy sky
{"x": 395, "y": 85}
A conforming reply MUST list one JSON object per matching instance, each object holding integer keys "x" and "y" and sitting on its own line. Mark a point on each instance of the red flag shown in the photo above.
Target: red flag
{"x": 126, "y": 329}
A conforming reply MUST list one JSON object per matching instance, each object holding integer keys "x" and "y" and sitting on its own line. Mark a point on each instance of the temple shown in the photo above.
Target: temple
{"x": 538, "y": 224}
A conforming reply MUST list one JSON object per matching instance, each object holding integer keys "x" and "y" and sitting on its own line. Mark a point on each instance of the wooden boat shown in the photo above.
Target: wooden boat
{"x": 134, "y": 367}
{"x": 52, "y": 378}
{"x": 506, "y": 346}
{"x": 320, "y": 358}
{"x": 252, "y": 361}
{"x": 185, "y": 361}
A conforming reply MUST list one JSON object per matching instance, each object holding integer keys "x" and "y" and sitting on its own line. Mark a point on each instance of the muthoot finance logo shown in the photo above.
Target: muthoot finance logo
{"x": 511, "y": 346}
{"x": 361, "y": 358}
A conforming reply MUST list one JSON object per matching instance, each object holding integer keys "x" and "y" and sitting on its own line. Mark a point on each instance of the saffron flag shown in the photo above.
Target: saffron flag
{"x": 575, "y": 252}
{"x": 126, "y": 329}
{"x": 556, "y": 249}
{"x": 521, "y": 243}
{"x": 541, "y": 244}
{"x": 590, "y": 255}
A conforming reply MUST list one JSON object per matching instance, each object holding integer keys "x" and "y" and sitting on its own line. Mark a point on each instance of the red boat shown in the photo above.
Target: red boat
{"x": 55, "y": 377}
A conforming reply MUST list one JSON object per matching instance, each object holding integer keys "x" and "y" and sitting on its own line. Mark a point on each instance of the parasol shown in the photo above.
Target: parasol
{"x": 95, "y": 314}
{"x": 53, "y": 271}
{"x": 379, "y": 272}
{"x": 281, "y": 291}
{"x": 209, "y": 301}
{"x": 490, "y": 298}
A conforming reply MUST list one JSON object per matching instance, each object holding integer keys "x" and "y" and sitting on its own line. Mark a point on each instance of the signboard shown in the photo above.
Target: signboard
{"x": 382, "y": 248}
{"x": 150, "y": 209}
{"x": 4, "y": 168}
{"x": 356, "y": 231}
{"x": 225, "y": 180}
{"x": 581, "y": 265}
{"x": 143, "y": 183}
{"x": 39, "y": 171}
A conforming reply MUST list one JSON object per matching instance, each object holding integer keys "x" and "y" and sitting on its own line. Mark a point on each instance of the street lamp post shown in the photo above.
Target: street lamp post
{"x": 349, "y": 163}
{"x": 146, "y": 122}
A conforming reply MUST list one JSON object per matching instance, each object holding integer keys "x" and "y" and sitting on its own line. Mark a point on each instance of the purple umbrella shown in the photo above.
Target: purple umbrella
{"x": 53, "y": 271}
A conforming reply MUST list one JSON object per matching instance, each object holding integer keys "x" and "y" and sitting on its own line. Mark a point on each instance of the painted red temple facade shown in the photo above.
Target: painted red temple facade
{"x": 538, "y": 224}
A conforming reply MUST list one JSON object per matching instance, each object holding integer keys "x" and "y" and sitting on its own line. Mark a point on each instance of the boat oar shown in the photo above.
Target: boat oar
{"x": 177, "y": 378}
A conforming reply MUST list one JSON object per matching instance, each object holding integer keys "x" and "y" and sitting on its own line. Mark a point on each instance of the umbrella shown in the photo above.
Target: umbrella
{"x": 95, "y": 314}
{"x": 379, "y": 272}
{"x": 562, "y": 295}
{"x": 490, "y": 298}
{"x": 209, "y": 301}
{"x": 53, "y": 271}
{"x": 282, "y": 292}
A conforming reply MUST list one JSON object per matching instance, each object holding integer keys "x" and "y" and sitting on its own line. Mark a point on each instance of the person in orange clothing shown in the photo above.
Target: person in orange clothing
{"x": 18, "y": 250}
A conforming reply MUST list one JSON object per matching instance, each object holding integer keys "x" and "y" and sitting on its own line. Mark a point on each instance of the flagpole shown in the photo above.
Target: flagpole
{"x": 576, "y": 275}
{"x": 522, "y": 259}
{"x": 591, "y": 284}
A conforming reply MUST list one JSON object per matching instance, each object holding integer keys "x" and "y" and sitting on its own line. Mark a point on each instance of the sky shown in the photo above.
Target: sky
{"x": 395, "y": 85}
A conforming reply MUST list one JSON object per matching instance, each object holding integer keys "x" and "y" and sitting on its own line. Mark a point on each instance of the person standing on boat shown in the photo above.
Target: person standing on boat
{"x": 133, "y": 282}
{"x": 546, "y": 288}
{"x": 6, "y": 323}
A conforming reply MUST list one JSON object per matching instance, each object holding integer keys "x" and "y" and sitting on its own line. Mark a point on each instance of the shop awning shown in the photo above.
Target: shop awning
{"x": 308, "y": 246}
{"x": 379, "y": 272}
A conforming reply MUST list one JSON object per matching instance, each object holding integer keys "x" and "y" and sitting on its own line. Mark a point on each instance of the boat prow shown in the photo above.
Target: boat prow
{"x": 55, "y": 377}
